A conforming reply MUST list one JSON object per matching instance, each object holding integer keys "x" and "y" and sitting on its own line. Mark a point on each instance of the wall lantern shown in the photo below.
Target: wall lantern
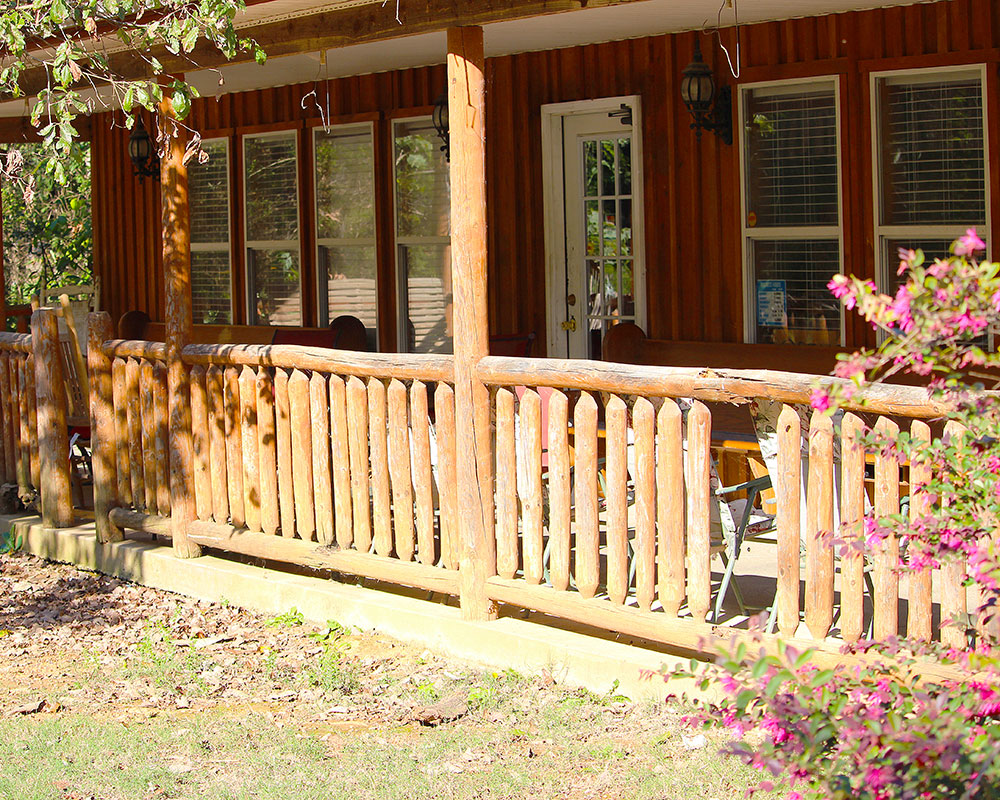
{"x": 143, "y": 153}
{"x": 440, "y": 118}
{"x": 711, "y": 108}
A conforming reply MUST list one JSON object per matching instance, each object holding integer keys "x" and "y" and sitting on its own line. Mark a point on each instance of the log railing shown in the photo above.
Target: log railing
{"x": 616, "y": 528}
{"x": 347, "y": 461}
{"x": 19, "y": 462}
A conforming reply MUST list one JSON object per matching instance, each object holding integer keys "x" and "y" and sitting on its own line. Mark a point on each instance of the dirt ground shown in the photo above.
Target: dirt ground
{"x": 113, "y": 690}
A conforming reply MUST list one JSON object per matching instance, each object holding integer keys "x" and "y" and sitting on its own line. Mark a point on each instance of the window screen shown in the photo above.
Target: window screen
{"x": 272, "y": 229}
{"x": 423, "y": 224}
{"x": 792, "y": 212}
{"x": 345, "y": 225}
{"x": 208, "y": 191}
{"x": 932, "y": 164}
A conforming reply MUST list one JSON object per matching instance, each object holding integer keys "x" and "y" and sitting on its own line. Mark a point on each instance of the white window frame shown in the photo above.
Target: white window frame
{"x": 347, "y": 129}
{"x": 216, "y": 247}
{"x": 271, "y": 244}
{"x": 399, "y": 242}
{"x": 885, "y": 268}
{"x": 789, "y": 233}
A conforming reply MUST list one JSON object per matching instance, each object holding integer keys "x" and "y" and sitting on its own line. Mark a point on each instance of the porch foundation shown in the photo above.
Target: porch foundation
{"x": 571, "y": 658}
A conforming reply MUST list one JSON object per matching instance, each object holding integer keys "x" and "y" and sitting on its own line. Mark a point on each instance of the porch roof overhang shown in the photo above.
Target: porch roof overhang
{"x": 316, "y": 39}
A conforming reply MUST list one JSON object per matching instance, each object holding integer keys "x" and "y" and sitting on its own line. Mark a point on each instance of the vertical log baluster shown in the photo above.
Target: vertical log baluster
{"x": 267, "y": 453}
{"x": 852, "y": 513}
{"x": 319, "y": 405}
{"x": 357, "y": 433}
{"x": 44, "y": 381}
{"x": 643, "y": 419}
{"x": 444, "y": 408}
{"x": 918, "y": 621}
{"x": 377, "y": 435}
{"x": 886, "y": 555}
{"x": 31, "y": 396}
{"x": 670, "y": 506}
{"x": 954, "y": 600}
{"x": 341, "y": 463}
{"x": 249, "y": 447}
{"x": 422, "y": 474}
{"x": 119, "y": 386}
{"x": 559, "y": 490}
{"x": 506, "y": 455}
{"x": 587, "y": 507}
{"x": 788, "y": 486}
{"x": 819, "y": 509}
{"x": 399, "y": 471}
{"x": 137, "y": 460}
{"x": 302, "y": 464}
{"x": 699, "y": 434}
{"x": 216, "y": 390}
{"x": 24, "y": 428}
{"x": 616, "y": 414}
{"x": 283, "y": 435}
{"x": 234, "y": 447}
{"x": 6, "y": 420}
{"x": 531, "y": 502}
{"x": 149, "y": 472}
{"x": 200, "y": 444}
{"x": 162, "y": 440}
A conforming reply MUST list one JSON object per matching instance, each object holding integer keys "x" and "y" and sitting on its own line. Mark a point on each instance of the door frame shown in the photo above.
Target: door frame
{"x": 554, "y": 208}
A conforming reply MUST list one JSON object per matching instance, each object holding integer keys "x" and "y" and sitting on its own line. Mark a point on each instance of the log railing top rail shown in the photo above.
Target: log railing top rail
{"x": 135, "y": 348}
{"x": 716, "y": 385}
{"x": 20, "y": 342}
{"x": 403, "y": 366}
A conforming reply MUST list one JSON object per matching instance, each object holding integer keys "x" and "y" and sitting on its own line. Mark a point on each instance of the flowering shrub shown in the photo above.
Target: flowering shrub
{"x": 910, "y": 720}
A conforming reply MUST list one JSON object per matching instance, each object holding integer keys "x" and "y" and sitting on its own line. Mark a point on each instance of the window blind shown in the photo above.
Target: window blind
{"x": 933, "y": 158}
{"x": 791, "y": 158}
{"x": 208, "y": 191}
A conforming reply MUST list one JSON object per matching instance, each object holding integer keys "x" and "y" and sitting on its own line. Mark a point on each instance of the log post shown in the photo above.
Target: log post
{"x": 53, "y": 436}
{"x": 177, "y": 291}
{"x": 104, "y": 442}
{"x": 466, "y": 111}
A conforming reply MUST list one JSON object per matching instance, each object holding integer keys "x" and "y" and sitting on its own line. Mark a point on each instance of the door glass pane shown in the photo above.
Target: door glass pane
{"x": 793, "y": 304}
{"x": 591, "y": 209}
{"x": 274, "y": 276}
{"x": 610, "y": 228}
{"x": 607, "y": 166}
{"x": 625, "y": 166}
{"x": 625, "y": 225}
{"x": 428, "y": 300}
{"x": 626, "y": 312}
{"x": 590, "y": 168}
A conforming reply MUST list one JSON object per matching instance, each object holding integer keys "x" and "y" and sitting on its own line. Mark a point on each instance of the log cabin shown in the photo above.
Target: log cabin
{"x": 463, "y": 178}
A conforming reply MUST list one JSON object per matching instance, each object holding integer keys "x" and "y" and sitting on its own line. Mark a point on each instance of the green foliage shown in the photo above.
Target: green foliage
{"x": 47, "y": 236}
{"x": 10, "y": 543}
{"x": 291, "y": 617}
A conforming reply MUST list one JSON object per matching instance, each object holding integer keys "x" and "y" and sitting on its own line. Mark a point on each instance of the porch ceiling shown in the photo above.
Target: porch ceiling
{"x": 599, "y": 22}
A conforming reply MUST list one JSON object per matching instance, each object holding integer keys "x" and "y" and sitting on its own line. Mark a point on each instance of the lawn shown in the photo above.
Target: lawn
{"x": 111, "y": 690}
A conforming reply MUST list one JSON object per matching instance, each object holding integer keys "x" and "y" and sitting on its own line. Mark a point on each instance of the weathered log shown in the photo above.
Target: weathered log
{"x": 102, "y": 426}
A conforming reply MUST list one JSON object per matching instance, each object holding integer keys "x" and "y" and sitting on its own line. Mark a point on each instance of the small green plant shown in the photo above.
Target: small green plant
{"x": 331, "y": 671}
{"x": 290, "y": 618}
{"x": 10, "y": 543}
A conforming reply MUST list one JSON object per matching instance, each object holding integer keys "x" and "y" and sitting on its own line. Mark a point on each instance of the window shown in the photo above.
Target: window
{"x": 271, "y": 208}
{"x": 345, "y": 225}
{"x": 931, "y": 162}
{"x": 211, "y": 284}
{"x": 423, "y": 240}
{"x": 791, "y": 212}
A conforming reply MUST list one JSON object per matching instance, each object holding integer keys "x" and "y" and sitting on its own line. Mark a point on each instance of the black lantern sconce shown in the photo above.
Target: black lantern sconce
{"x": 711, "y": 107}
{"x": 143, "y": 153}
{"x": 440, "y": 119}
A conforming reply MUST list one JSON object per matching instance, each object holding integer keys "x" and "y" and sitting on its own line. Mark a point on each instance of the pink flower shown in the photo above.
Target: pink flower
{"x": 840, "y": 286}
{"x": 901, "y": 308}
{"x": 819, "y": 400}
{"x": 993, "y": 464}
{"x": 906, "y": 258}
{"x": 967, "y": 322}
{"x": 877, "y": 777}
{"x": 969, "y": 244}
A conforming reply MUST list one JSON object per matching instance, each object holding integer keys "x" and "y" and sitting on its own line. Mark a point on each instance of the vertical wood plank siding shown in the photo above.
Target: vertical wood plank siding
{"x": 692, "y": 192}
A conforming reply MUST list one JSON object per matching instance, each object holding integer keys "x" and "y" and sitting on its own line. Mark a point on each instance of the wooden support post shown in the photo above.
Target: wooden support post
{"x": 177, "y": 292}
{"x": 53, "y": 436}
{"x": 466, "y": 112}
{"x": 104, "y": 441}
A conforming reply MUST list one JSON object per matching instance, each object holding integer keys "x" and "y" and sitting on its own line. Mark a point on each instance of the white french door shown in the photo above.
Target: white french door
{"x": 593, "y": 196}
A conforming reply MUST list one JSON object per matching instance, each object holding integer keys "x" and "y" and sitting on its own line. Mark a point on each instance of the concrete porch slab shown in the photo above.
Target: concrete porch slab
{"x": 571, "y": 658}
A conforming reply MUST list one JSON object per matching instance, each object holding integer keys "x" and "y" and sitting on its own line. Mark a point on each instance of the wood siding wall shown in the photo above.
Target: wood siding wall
{"x": 692, "y": 192}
